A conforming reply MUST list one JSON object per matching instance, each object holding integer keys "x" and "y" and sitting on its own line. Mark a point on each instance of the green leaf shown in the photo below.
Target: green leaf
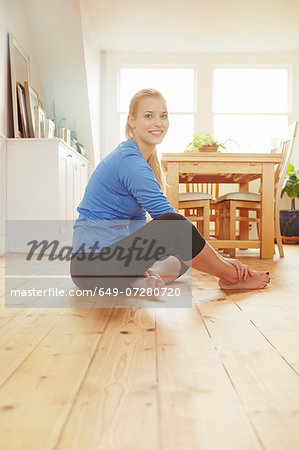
{"x": 74, "y": 135}
{"x": 291, "y": 168}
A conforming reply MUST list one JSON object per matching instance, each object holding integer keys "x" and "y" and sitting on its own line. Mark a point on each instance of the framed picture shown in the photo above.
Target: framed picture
{"x": 49, "y": 128}
{"x": 61, "y": 133}
{"x": 22, "y": 111}
{"x": 31, "y": 103}
{"x": 65, "y": 134}
{"x": 40, "y": 120}
{"x": 19, "y": 72}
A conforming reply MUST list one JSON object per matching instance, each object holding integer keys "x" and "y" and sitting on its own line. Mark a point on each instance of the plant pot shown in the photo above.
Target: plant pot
{"x": 208, "y": 148}
{"x": 289, "y": 222}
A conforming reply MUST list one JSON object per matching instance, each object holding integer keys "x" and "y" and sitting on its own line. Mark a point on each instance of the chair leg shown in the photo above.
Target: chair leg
{"x": 198, "y": 222}
{"x": 217, "y": 225}
{"x": 225, "y": 222}
{"x": 277, "y": 229}
{"x": 244, "y": 225}
{"x": 226, "y": 230}
{"x": 206, "y": 220}
{"x": 232, "y": 226}
{"x": 258, "y": 224}
{"x": 221, "y": 222}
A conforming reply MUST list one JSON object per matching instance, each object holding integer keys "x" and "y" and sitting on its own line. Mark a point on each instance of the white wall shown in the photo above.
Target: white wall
{"x": 92, "y": 66}
{"x": 58, "y": 50}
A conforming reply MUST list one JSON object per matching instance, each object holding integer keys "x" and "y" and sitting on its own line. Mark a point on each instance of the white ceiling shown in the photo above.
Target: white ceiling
{"x": 195, "y": 25}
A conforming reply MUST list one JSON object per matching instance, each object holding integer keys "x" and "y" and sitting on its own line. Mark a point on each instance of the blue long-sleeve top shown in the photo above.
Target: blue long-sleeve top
{"x": 120, "y": 191}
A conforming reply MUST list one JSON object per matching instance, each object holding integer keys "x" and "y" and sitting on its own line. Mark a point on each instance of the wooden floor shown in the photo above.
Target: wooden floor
{"x": 220, "y": 375}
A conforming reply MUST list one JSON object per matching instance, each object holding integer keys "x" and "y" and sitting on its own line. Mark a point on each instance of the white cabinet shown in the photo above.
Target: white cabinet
{"x": 46, "y": 179}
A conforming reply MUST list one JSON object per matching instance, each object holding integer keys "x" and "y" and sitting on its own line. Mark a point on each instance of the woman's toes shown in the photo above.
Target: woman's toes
{"x": 160, "y": 283}
{"x": 265, "y": 277}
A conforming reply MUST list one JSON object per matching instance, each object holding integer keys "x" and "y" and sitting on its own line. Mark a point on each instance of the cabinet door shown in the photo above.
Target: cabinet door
{"x": 77, "y": 188}
{"x": 66, "y": 186}
{"x": 72, "y": 183}
{"x": 62, "y": 186}
{"x": 83, "y": 179}
{"x": 70, "y": 187}
{"x": 80, "y": 181}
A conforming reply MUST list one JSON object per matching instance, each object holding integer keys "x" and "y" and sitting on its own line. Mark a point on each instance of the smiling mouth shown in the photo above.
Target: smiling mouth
{"x": 156, "y": 133}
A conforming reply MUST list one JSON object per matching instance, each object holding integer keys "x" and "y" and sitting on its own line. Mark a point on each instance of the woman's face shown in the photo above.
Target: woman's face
{"x": 151, "y": 122}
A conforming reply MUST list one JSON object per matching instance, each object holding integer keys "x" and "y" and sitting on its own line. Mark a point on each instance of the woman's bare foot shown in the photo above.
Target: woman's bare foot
{"x": 150, "y": 281}
{"x": 258, "y": 280}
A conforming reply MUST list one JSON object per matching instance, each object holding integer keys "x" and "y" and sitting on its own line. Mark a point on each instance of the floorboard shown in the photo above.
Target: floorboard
{"x": 119, "y": 392}
{"x": 152, "y": 375}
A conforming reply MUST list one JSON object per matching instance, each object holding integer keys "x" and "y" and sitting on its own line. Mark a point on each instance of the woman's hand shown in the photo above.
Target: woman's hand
{"x": 242, "y": 269}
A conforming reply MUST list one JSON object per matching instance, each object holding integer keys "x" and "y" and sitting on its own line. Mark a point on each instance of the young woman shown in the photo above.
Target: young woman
{"x": 113, "y": 246}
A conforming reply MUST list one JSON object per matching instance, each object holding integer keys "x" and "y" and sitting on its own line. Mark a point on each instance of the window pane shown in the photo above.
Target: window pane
{"x": 180, "y": 132}
{"x": 176, "y": 85}
{"x": 253, "y": 132}
{"x": 250, "y": 91}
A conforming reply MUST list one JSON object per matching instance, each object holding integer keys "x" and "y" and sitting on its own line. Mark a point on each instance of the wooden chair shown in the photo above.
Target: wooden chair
{"x": 196, "y": 203}
{"x": 235, "y": 206}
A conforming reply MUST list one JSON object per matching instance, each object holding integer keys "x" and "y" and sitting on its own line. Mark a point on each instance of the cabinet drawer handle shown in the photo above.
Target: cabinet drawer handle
{"x": 69, "y": 156}
{"x": 83, "y": 165}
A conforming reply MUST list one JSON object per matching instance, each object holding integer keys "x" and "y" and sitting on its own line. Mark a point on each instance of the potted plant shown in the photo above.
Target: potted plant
{"x": 289, "y": 219}
{"x": 204, "y": 142}
{"x": 76, "y": 144}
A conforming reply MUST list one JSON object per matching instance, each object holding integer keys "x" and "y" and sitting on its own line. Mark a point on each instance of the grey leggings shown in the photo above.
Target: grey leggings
{"x": 118, "y": 265}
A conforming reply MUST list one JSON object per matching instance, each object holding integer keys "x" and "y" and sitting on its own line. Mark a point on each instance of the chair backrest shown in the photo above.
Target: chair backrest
{"x": 208, "y": 188}
{"x": 286, "y": 146}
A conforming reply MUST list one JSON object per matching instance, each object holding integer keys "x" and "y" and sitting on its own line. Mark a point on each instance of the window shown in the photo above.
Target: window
{"x": 177, "y": 86}
{"x": 250, "y": 105}
{"x": 245, "y": 97}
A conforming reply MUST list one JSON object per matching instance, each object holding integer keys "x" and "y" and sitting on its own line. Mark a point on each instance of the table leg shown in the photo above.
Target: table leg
{"x": 172, "y": 190}
{"x": 267, "y": 211}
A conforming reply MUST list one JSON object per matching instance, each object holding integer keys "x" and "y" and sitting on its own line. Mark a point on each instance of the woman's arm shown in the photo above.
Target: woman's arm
{"x": 137, "y": 177}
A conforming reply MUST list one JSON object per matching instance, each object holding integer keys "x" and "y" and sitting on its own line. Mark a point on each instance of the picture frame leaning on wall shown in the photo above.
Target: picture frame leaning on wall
{"x": 32, "y": 101}
{"x": 22, "y": 110}
{"x": 19, "y": 72}
{"x": 49, "y": 129}
{"x": 40, "y": 121}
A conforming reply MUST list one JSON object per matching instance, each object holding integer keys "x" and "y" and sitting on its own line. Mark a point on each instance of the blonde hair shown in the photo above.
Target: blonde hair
{"x": 153, "y": 160}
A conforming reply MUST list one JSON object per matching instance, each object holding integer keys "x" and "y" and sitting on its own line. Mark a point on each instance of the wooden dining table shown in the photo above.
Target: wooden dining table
{"x": 240, "y": 168}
